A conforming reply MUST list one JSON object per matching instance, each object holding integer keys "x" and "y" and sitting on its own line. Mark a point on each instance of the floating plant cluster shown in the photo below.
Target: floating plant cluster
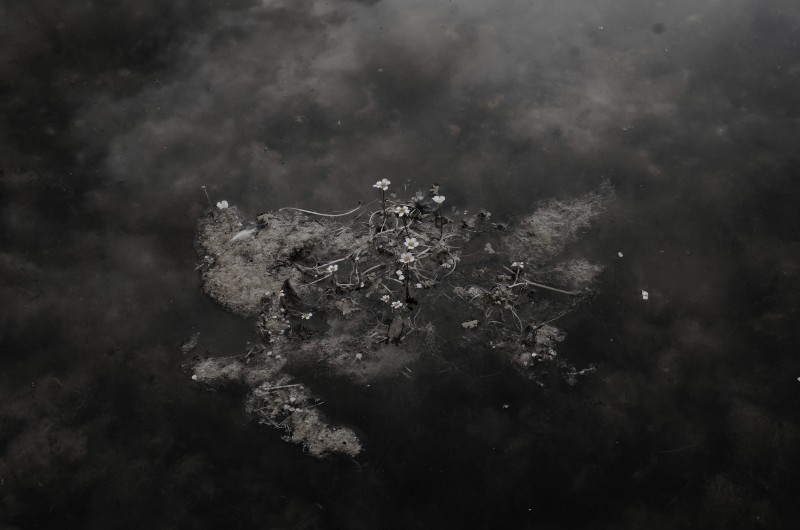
{"x": 367, "y": 293}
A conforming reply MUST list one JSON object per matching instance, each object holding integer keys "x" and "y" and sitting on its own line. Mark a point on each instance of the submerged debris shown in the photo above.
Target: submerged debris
{"x": 362, "y": 298}
{"x": 189, "y": 344}
{"x": 292, "y": 408}
{"x": 544, "y": 234}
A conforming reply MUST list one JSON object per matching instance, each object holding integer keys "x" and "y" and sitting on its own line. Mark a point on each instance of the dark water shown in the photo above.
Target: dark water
{"x": 114, "y": 114}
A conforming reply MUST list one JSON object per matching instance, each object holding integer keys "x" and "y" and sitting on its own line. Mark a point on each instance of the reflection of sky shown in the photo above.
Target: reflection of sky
{"x": 115, "y": 114}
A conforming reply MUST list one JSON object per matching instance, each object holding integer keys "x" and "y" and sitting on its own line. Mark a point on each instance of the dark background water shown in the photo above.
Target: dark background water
{"x": 114, "y": 113}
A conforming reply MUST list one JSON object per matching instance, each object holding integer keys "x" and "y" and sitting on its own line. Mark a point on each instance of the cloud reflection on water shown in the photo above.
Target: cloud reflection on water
{"x": 117, "y": 114}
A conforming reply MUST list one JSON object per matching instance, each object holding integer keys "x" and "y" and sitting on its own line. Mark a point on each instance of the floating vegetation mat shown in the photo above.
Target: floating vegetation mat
{"x": 365, "y": 294}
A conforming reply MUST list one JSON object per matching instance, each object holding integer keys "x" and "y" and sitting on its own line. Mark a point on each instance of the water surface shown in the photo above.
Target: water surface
{"x": 115, "y": 113}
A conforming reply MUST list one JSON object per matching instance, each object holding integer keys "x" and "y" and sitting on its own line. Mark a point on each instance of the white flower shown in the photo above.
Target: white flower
{"x": 518, "y": 265}
{"x": 332, "y": 268}
{"x": 306, "y": 316}
{"x": 382, "y": 184}
{"x": 619, "y": 254}
{"x": 401, "y": 211}
{"x": 438, "y": 199}
{"x": 407, "y": 257}
{"x": 222, "y": 205}
{"x": 418, "y": 286}
{"x": 645, "y": 295}
{"x": 397, "y": 304}
{"x": 385, "y": 298}
{"x": 412, "y": 243}
{"x": 281, "y": 294}
{"x": 400, "y": 275}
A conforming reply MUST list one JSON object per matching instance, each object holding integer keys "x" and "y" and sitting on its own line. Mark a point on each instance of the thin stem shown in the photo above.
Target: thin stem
{"x": 358, "y": 273}
{"x": 406, "y": 275}
{"x": 542, "y": 286}
{"x": 323, "y": 214}
{"x": 280, "y": 387}
{"x": 207, "y": 197}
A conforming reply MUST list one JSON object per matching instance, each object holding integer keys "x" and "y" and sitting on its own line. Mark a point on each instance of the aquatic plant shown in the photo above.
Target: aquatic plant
{"x": 379, "y": 284}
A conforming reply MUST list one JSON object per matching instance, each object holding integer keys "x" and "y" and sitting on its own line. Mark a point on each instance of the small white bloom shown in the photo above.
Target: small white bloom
{"x": 398, "y": 272}
{"x": 401, "y": 211}
{"x": 281, "y": 294}
{"x": 382, "y": 184}
{"x": 385, "y": 298}
{"x": 407, "y": 257}
{"x": 619, "y": 254}
{"x": 397, "y": 304}
{"x": 359, "y": 356}
{"x": 306, "y": 316}
{"x": 418, "y": 286}
{"x": 645, "y": 295}
{"x": 438, "y": 199}
{"x": 332, "y": 268}
{"x": 194, "y": 377}
{"x": 222, "y": 205}
{"x": 412, "y": 243}
{"x": 518, "y": 265}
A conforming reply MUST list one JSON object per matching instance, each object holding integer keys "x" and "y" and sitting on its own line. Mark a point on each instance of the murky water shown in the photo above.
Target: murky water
{"x": 115, "y": 114}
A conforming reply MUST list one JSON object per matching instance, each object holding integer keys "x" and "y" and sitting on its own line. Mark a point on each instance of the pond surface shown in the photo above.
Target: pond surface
{"x": 115, "y": 113}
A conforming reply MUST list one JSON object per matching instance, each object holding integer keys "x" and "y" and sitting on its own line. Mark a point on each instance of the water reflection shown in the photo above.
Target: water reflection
{"x": 116, "y": 113}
